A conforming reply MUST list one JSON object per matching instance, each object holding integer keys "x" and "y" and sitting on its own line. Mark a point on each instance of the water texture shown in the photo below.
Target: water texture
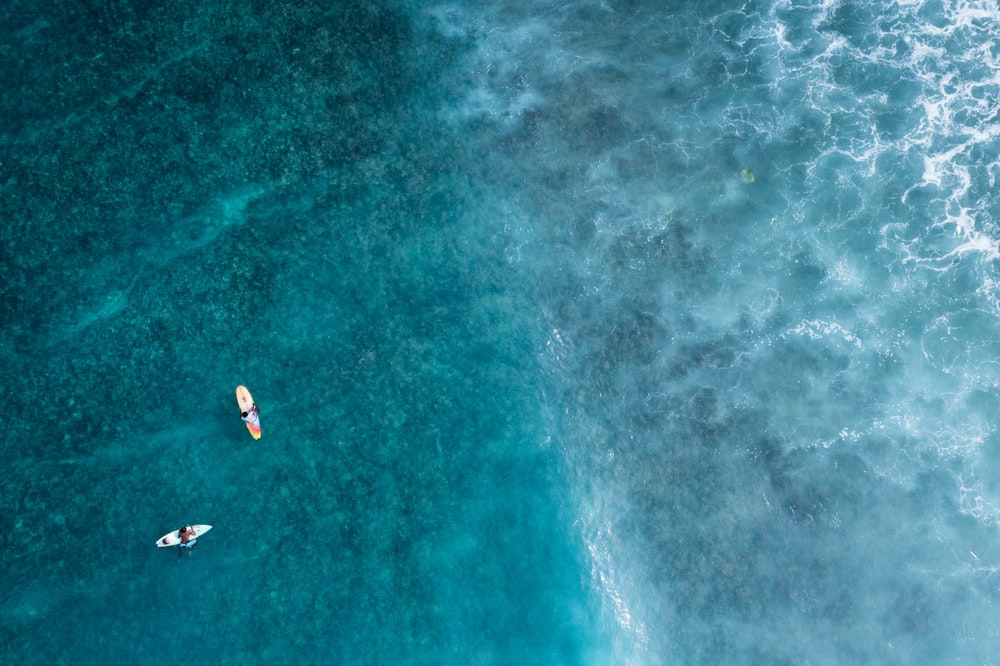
{"x": 582, "y": 333}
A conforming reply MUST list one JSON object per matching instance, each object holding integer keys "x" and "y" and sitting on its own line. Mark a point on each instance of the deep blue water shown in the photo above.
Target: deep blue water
{"x": 582, "y": 333}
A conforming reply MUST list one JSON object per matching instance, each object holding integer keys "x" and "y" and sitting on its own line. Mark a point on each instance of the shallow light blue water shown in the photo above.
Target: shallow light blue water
{"x": 588, "y": 333}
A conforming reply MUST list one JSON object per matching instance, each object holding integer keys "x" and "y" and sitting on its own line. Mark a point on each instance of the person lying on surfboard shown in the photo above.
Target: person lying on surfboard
{"x": 188, "y": 540}
{"x": 251, "y": 417}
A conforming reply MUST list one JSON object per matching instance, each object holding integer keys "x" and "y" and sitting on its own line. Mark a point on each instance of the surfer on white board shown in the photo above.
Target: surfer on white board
{"x": 188, "y": 540}
{"x": 251, "y": 417}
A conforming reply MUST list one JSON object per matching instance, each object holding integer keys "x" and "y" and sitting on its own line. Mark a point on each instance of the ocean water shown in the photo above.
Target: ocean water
{"x": 582, "y": 333}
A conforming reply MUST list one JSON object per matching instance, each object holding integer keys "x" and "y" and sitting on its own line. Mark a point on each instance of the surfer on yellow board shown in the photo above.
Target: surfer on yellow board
{"x": 248, "y": 410}
{"x": 252, "y": 418}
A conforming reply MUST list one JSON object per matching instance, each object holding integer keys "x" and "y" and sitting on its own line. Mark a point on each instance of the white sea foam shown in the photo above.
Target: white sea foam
{"x": 819, "y": 330}
{"x": 873, "y": 138}
{"x": 620, "y": 593}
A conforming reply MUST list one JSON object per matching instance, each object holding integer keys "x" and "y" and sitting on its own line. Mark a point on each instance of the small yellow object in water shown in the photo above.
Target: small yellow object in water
{"x": 747, "y": 176}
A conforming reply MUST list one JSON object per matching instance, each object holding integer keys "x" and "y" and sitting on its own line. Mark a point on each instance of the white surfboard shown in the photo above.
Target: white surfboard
{"x": 174, "y": 538}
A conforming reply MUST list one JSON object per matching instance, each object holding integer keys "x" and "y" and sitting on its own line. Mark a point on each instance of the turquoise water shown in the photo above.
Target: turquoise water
{"x": 582, "y": 333}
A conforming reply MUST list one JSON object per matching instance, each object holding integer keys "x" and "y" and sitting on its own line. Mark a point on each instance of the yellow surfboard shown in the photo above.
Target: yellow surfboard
{"x": 245, "y": 401}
